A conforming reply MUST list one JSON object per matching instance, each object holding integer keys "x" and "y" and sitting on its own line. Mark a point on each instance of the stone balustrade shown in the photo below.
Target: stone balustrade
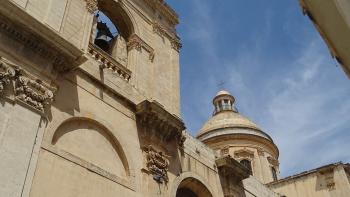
{"x": 107, "y": 62}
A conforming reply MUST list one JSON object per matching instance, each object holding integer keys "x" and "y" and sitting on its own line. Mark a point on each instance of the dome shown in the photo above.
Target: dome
{"x": 227, "y": 120}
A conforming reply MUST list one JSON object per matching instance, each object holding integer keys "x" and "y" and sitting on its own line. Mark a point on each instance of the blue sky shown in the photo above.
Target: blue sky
{"x": 276, "y": 65}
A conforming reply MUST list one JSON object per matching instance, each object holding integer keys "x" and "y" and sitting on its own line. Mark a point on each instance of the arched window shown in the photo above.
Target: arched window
{"x": 274, "y": 174}
{"x": 246, "y": 163}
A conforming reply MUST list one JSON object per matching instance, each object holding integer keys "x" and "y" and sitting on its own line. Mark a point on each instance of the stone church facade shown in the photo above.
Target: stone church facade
{"x": 85, "y": 111}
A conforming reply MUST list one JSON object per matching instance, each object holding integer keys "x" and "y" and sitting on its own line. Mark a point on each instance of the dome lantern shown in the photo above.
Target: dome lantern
{"x": 223, "y": 101}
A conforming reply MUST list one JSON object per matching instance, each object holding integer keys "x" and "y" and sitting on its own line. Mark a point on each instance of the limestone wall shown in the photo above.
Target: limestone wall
{"x": 324, "y": 182}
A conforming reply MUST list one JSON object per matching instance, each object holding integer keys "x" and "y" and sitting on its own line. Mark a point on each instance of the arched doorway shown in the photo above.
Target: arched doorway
{"x": 191, "y": 187}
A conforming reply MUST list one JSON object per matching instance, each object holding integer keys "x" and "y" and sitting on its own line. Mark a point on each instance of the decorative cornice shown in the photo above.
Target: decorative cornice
{"x": 35, "y": 44}
{"x": 27, "y": 89}
{"x": 160, "y": 123}
{"x": 108, "y": 62}
{"x": 161, "y": 31}
{"x": 91, "y": 6}
{"x": 135, "y": 42}
{"x": 165, "y": 10}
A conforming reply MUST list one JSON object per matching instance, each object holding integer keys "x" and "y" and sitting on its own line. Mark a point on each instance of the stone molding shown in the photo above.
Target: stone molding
{"x": 27, "y": 89}
{"x": 160, "y": 123}
{"x": 35, "y": 44}
{"x": 135, "y": 42}
{"x": 161, "y": 31}
{"x": 157, "y": 164}
{"x": 106, "y": 61}
{"x": 162, "y": 7}
{"x": 91, "y": 5}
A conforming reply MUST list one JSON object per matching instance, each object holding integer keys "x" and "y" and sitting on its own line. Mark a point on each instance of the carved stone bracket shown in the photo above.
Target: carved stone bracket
{"x": 160, "y": 123}
{"x": 29, "y": 90}
{"x": 174, "y": 39}
{"x": 135, "y": 42}
{"x": 108, "y": 62}
{"x": 157, "y": 163}
{"x": 91, "y": 6}
{"x": 229, "y": 167}
{"x": 273, "y": 161}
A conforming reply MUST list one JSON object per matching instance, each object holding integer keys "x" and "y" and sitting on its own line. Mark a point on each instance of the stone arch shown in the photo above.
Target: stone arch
{"x": 192, "y": 185}
{"x": 93, "y": 142}
{"x": 119, "y": 15}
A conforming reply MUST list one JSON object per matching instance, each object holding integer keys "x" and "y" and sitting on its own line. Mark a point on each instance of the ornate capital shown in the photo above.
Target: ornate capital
{"x": 27, "y": 89}
{"x": 135, "y": 42}
{"x": 157, "y": 163}
{"x": 91, "y": 6}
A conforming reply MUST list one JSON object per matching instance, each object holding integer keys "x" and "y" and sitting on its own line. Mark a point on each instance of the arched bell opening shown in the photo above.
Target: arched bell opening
{"x": 111, "y": 30}
{"x": 191, "y": 187}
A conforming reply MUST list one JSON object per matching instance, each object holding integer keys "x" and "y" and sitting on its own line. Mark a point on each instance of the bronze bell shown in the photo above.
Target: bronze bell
{"x": 103, "y": 37}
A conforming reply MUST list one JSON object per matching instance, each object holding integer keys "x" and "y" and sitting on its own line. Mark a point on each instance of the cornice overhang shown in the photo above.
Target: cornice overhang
{"x": 230, "y": 167}
{"x": 165, "y": 10}
{"x": 24, "y": 29}
{"x": 221, "y": 138}
{"x": 160, "y": 123}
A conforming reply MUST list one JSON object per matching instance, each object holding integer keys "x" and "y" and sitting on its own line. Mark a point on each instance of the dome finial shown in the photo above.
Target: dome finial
{"x": 223, "y": 101}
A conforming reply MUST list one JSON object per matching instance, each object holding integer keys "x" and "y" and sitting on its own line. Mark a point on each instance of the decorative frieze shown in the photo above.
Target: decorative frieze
{"x": 135, "y": 42}
{"x": 29, "y": 90}
{"x": 157, "y": 164}
{"x": 91, "y": 6}
{"x": 107, "y": 62}
{"x": 159, "y": 123}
